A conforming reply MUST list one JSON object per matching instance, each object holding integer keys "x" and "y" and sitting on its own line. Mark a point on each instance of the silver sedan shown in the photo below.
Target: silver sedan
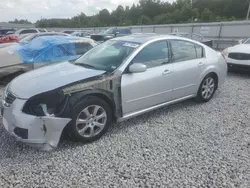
{"x": 116, "y": 80}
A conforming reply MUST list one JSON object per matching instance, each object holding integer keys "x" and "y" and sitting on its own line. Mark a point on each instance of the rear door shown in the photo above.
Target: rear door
{"x": 188, "y": 60}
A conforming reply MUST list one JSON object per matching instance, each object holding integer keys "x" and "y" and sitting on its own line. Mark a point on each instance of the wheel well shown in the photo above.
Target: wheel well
{"x": 107, "y": 99}
{"x": 104, "y": 97}
{"x": 216, "y": 78}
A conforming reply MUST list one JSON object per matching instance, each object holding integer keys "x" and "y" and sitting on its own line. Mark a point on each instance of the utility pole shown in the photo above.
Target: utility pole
{"x": 248, "y": 11}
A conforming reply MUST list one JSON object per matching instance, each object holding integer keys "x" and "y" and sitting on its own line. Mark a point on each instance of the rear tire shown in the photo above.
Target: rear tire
{"x": 91, "y": 119}
{"x": 207, "y": 88}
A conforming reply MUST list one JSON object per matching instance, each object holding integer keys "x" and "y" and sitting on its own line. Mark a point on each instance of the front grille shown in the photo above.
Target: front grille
{"x": 9, "y": 98}
{"x": 239, "y": 56}
{"x": 97, "y": 37}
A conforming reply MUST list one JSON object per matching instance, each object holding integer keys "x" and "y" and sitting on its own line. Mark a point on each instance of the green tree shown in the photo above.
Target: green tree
{"x": 155, "y": 12}
{"x": 104, "y": 17}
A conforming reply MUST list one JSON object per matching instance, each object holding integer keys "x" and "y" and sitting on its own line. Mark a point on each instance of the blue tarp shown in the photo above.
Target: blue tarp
{"x": 48, "y": 49}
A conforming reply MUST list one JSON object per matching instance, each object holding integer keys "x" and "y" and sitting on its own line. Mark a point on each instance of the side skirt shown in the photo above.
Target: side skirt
{"x": 134, "y": 114}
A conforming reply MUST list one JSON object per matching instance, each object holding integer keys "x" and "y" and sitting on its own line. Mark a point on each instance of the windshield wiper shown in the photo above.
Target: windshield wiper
{"x": 86, "y": 65}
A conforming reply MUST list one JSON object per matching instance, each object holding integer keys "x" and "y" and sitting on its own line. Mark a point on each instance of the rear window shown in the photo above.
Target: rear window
{"x": 68, "y": 32}
{"x": 82, "y": 48}
{"x": 124, "y": 31}
{"x": 28, "y": 31}
{"x": 42, "y": 30}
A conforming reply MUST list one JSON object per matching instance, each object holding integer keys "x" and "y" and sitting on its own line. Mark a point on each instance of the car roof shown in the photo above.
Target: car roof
{"x": 49, "y": 33}
{"x": 58, "y": 39}
{"x": 143, "y": 38}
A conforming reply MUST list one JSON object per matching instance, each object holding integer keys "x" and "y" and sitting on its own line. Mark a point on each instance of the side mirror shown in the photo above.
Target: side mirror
{"x": 240, "y": 41}
{"x": 137, "y": 67}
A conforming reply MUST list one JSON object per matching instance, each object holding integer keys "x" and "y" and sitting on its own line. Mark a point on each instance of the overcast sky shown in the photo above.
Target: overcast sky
{"x": 36, "y": 9}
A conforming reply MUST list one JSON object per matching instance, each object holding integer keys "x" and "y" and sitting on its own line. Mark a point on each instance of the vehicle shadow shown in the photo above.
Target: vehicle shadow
{"x": 237, "y": 73}
{"x": 119, "y": 128}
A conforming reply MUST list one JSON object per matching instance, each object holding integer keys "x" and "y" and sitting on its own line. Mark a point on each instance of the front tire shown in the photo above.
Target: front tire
{"x": 91, "y": 119}
{"x": 207, "y": 88}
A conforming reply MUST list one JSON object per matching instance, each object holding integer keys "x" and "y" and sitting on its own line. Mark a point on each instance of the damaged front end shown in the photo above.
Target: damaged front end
{"x": 51, "y": 104}
{"x": 38, "y": 121}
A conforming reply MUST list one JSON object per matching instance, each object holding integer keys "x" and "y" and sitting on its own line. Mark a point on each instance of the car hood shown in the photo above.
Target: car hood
{"x": 240, "y": 48}
{"x": 49, "y": 78}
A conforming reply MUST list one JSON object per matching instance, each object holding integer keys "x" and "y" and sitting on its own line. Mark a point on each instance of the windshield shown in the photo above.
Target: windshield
{"x": 27, "y": 38}
{"x": 108, "y": 55}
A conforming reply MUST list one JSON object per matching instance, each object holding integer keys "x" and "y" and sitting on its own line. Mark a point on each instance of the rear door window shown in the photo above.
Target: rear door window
{"x": 182, "y": 50}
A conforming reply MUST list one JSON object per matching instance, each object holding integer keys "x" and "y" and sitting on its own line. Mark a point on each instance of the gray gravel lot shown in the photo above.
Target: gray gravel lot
{"x": 184, "y": 145}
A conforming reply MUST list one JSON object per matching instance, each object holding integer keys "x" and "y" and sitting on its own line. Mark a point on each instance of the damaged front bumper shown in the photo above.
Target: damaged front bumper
{"x": 41, "y": 132}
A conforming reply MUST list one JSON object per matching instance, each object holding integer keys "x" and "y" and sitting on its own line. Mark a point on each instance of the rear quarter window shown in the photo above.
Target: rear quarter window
{"x": 199, "y": 51}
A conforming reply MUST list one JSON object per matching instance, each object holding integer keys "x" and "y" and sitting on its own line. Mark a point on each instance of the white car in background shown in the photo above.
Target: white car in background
{"x": 29, "y": 31}
{"x": 238, "y": 56}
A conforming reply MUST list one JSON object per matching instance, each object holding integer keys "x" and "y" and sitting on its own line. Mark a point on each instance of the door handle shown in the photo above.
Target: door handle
{"x": 200, "y": 64}
{"x": 166, "y": 72}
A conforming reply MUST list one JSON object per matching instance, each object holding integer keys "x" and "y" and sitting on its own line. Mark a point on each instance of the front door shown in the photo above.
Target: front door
{"x": 154, "y": 86}
{"x": 188, "y": 61}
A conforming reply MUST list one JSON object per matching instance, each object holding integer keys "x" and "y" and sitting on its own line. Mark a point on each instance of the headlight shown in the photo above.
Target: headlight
{"x": 47, "y": 104}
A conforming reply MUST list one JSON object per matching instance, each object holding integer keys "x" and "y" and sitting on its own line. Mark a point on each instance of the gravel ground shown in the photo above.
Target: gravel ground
{"x": 184, "y": 145}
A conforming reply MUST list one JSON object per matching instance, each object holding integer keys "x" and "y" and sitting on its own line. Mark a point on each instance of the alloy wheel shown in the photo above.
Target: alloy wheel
{"x": 91, "y": 121}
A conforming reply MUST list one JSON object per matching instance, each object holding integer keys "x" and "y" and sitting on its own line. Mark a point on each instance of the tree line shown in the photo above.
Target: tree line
{"x": 157, "y": 12}
{"x": 16, "y": 21}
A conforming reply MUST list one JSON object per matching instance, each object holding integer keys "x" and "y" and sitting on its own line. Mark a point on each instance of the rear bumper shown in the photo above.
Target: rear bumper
{"x": 41, "y": 132}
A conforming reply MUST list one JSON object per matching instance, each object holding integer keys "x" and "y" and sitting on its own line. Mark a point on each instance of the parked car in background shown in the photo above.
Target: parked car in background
{"x": 81, "y": 33}
{"x": 41, "y": 51}
{"x": 116, "y": 80}
{"x": 29, "y": 31}
{"x": 30, "y": 37}
{"x": 8, "y": 39}
{"x": 196, "y": 37}
{"x": 111, "y": 33}
{"x": 4, "y": 32}
{"x": 238, "y": 56}
{"x": 68, "y": 31}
